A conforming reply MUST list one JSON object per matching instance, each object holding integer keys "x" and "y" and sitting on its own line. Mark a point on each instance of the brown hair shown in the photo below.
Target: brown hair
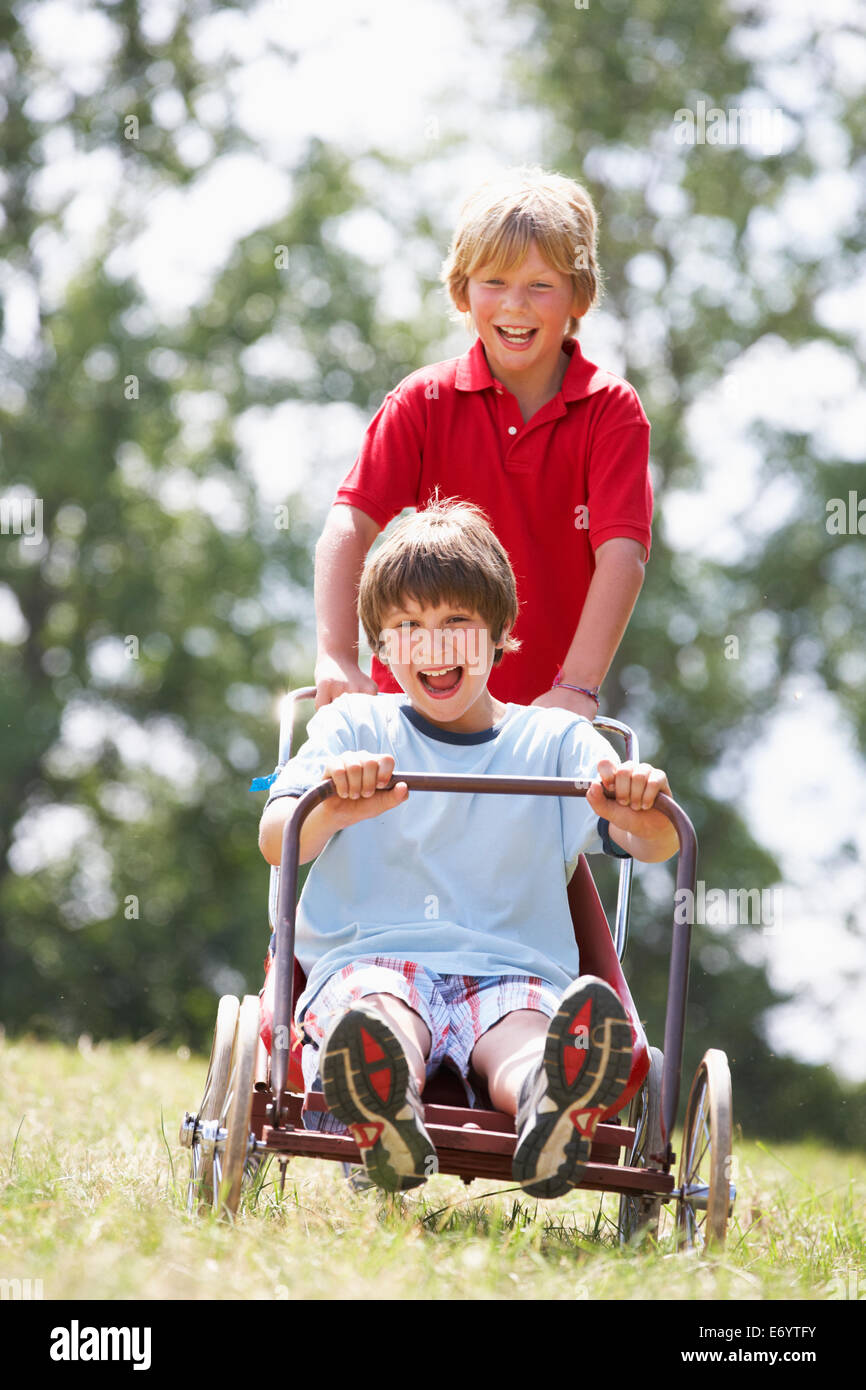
{"x": 445, "y": 553}
{"x": 501, "y": 218}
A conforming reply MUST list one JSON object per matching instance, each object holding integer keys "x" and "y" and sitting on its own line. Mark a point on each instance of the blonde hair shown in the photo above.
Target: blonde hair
{"x": 501, "y": 218}
{"x": 446, "y": 553}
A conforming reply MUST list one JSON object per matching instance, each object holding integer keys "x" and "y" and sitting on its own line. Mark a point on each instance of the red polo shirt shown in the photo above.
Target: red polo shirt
{"x": 554, "y": 488}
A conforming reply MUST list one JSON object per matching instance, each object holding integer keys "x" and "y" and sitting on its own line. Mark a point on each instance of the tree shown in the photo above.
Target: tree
{"x": 704, "y": 265}
{"x": 151, "y": 624}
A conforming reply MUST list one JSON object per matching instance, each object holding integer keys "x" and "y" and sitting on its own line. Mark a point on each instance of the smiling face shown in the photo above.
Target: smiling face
{"x": 521, "y": 316}
{"x": 441, "y": 655}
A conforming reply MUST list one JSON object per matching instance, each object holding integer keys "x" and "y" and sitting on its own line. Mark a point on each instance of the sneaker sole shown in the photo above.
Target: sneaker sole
{"x": 551, "y": 1158}
{"x": 365, "y": 1077}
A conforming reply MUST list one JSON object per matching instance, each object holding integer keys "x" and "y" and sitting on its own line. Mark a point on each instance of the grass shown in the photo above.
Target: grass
{"x": 93, "y": 1203}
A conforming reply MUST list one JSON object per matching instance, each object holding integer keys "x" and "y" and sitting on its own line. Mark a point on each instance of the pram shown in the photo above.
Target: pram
{"x": 254, "y": 1092}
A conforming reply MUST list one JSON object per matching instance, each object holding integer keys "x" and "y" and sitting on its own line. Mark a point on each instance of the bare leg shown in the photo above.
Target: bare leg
{"x": 507, "y": 1052}
{"x": 409, "y": 1027}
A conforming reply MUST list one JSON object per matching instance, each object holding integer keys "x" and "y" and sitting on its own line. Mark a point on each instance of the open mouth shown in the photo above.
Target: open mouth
{"x": 442, "y": 683}
{"x": 515, "y": 337}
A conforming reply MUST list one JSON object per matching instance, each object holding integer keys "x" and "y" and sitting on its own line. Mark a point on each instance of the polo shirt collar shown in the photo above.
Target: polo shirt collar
{"x": 582, "y": 377}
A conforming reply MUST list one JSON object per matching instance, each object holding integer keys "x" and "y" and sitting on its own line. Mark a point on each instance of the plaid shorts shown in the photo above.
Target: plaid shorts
{"x": 457, "y": 1009}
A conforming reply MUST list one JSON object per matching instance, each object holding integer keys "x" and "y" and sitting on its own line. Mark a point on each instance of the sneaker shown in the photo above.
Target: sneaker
{"x": 586, "y": 1065}
{"x": 369, "y": 1086}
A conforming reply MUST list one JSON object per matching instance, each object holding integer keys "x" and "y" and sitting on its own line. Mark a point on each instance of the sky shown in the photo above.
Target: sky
{"x": 350, "y": 74}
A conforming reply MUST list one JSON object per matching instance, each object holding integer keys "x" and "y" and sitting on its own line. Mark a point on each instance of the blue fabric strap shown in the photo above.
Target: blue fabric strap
{"x": 262, "y": 784}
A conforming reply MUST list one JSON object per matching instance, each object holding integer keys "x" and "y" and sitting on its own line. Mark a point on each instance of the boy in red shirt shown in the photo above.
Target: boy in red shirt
{"x": 552, "y": 448}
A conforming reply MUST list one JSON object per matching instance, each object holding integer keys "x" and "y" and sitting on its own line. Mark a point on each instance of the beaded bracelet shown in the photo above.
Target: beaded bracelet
{"x": 592, "y": 694}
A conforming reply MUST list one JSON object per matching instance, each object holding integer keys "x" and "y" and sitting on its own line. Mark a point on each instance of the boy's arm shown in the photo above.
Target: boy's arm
{"x": 610, "y": 601}
{"x": 315, "y": 834}
{"x": 340, "y": 553}
{"x": 358, "y": 777}
{"x": 644, "y": 833}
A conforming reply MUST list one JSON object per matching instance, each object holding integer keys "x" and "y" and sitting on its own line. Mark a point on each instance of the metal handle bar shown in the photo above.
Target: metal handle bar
{"x": 465, "y": 782}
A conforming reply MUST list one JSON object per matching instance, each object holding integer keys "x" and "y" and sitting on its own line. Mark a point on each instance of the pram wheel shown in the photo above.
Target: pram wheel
{"x": 638, "y": 1212}
{"x": 200, "y": 1187}
{"x": 238, "y": 1108}
{"x": 706, "y": 1194}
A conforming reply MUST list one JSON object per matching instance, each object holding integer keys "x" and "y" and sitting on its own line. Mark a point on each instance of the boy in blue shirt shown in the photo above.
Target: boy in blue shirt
{"x": 441, "y": 933}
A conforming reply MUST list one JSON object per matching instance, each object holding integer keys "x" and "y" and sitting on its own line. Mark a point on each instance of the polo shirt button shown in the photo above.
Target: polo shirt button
{"x": 512, "y": 429}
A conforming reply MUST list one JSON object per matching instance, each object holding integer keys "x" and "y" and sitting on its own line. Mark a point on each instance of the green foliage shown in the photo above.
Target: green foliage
{"x": 692, "y": 290}
{"x": 160, "y": 611}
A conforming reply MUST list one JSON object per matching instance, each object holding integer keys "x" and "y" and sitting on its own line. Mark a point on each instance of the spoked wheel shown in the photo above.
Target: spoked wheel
{"x": 706, "y": 1193}
{"x": 200, "y": 1187}
{"x": 238, "y": 1109}
{"x": 637, "y": 1212}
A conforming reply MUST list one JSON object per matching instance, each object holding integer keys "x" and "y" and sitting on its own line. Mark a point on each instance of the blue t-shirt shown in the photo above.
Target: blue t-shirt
{"x": 464, "y": 884}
